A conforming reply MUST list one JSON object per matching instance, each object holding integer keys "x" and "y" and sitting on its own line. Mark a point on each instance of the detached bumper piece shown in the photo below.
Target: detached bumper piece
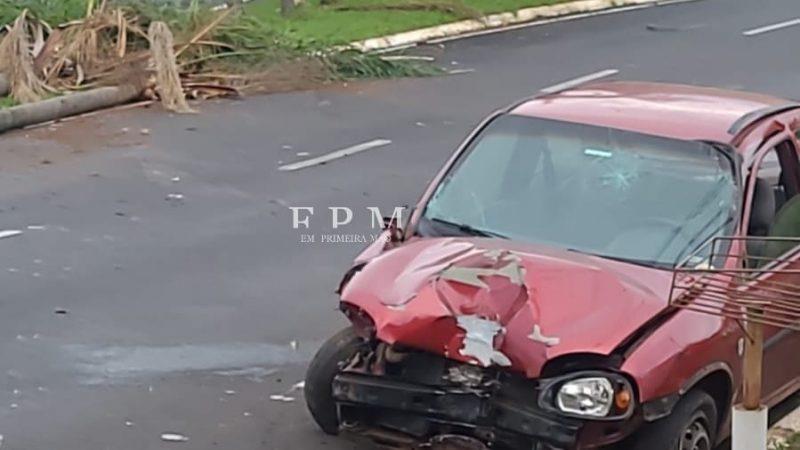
{"x": 408, "y": 414}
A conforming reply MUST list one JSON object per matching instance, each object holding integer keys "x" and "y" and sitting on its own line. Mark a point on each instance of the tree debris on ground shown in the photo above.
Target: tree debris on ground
{"x": 167, "y": 52}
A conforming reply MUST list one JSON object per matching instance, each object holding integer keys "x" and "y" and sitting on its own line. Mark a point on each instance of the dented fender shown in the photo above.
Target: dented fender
{"x": 674, "y": 358}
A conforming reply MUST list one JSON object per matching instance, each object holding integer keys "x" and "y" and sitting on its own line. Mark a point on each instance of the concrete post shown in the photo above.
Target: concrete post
{"x": 749, "y": 428}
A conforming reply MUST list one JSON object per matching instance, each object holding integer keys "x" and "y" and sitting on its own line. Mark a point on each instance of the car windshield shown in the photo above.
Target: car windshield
{"x": 607, "y": 192}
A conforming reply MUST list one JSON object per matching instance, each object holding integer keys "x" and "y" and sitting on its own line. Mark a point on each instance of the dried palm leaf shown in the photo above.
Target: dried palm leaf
{"x": 168, "y": 80}
{"x": 16, "y": 61}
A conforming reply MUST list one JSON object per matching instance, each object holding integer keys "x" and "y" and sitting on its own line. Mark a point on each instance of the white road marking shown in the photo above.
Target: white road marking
{"x": 773, "y": 27}
{"x": 578, "y": 81}
{"x": 335, "y": 155}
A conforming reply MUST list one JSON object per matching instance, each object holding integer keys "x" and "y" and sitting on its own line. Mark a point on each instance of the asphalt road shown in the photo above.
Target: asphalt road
{"x": 185, "y": 315}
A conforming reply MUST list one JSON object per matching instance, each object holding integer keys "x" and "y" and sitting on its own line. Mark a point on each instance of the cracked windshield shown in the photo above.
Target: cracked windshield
{"x": 589, "y": 189}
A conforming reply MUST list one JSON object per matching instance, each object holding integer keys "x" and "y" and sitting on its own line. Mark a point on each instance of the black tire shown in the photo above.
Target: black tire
{"x": 692, "y": 423}
{"x": 319, "y": 377}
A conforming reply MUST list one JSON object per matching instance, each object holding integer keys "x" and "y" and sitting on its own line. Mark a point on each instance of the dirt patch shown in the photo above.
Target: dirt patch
{"x": 60, "y": 141}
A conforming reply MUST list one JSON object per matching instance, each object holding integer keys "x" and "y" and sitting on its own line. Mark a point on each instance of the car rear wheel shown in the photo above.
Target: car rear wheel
{"x": 320, "y": 374}
{"x": 691, "y": 426}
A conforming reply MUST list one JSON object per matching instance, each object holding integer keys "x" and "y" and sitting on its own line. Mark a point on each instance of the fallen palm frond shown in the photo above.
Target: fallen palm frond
{"x": 16, "y": 61}
{"x": 162, "y": 48}
{"x": 192, "y": 52}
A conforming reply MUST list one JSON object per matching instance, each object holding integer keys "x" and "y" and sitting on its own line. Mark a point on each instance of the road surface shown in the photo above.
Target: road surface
{"x": 159, "y": 286}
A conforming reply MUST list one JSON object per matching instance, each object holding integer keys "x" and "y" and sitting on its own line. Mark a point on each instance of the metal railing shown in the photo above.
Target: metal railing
{"x": 753, "y": 287}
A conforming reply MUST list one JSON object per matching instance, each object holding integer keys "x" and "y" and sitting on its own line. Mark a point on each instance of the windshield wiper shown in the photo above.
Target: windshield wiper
{"x": 466, "y": 229}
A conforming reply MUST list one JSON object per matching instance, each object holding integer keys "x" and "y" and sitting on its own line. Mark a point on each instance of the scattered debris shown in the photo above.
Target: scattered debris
{"x": 9, "y": 233}
{"x": 255, "y": 374}
{"x": 407, "y": 58}
{"x": 175, "y": 198}
{"x": 176, "y": 179}
{"x": 660, "y": 27}
{"x": 128, "y": 423}
{"x": 460, "y": 71}
{"x": 230, "y": 392}
{"x": 37, "y": 227}
{"x": 294, "y": 345}
{"x": 246, "y": 414}
{"x": 14, "y": 406}
{"x": 420, "y": 124}
{"x": 281, "y": 398}
{"x": 61, "y": 311}
{"x": 303, "y": 153}
{"x": 174, "y": 437}
{"x": 144, "y": 132}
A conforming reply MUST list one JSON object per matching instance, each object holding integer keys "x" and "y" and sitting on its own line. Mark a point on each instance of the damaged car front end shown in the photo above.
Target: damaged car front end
{"x": 461, "y": 360}
{"x": 525, "y": 305}
{"x": 415, "y": 399}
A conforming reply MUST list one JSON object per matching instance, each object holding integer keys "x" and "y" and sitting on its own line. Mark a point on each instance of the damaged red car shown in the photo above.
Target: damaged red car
{"x": 526, "y": 304}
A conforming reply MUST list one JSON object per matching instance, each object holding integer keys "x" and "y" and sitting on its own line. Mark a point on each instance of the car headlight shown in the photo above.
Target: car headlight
{"x": 592, "y": 397}
{"x": 588, "y": 395}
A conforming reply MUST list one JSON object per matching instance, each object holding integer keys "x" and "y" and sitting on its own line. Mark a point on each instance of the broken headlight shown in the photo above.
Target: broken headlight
{"x": 589, "y": 395}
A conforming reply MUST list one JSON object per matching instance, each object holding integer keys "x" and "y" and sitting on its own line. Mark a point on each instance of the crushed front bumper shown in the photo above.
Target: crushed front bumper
{"x": 504, "y": 418}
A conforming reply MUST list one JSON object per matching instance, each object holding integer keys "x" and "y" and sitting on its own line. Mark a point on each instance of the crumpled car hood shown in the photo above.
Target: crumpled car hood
{"x": 493, "y": 302}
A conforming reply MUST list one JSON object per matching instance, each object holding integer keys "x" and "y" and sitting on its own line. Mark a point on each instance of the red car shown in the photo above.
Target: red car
{"x": 526, "y": 304}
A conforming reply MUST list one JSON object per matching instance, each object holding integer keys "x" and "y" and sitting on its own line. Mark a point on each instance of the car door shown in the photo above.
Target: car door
{"x": 774, "y": 196}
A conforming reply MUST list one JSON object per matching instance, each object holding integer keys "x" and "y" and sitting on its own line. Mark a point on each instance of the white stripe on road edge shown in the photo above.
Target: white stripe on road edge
{"x": 773, "y": 27}
{"x": 335, "y": 155}
{"x": 578, "y": 81}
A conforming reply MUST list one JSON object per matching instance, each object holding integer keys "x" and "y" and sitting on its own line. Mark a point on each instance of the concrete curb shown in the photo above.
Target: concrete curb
{"x": 494, "y": 21}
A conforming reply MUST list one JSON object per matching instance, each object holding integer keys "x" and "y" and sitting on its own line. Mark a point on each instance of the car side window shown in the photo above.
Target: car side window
{"x": 775, "y": 211}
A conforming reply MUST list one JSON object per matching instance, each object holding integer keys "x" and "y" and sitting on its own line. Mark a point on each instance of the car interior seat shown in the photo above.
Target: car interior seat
{"x": 762, "y": 216}
{"x": 786, "y": 225}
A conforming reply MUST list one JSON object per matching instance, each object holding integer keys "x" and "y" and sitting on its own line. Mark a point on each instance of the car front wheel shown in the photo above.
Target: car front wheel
{"x": 320, "y": 374}
{"x": 691, "y": 426}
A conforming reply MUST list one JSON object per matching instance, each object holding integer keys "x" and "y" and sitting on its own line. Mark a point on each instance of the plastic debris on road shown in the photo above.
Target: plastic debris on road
{"x": 173, "y": 437}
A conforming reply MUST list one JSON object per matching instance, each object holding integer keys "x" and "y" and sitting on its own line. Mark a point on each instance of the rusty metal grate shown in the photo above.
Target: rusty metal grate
{"x": 746, "y": 287}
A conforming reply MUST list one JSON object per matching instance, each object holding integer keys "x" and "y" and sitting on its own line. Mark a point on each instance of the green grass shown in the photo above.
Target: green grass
{"x": 326, "y": 24}
{"x": 53, "y": 12}
{"x": 7, "y": 102}
{"x": 791, "y": 443}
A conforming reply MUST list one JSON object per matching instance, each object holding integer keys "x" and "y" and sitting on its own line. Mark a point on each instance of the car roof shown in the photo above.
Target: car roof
{"x": 661, "y": 109}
